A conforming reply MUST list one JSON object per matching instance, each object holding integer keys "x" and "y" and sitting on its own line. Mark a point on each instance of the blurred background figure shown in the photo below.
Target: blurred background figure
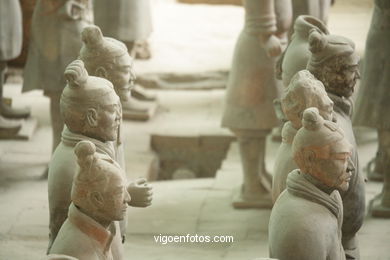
{"x": 54, "y": 42}
{"x": 251, "y": 89}
{"x": 10, "y": 48}
{"x": 129, "y": 21}
{"x": 317, "y": 8}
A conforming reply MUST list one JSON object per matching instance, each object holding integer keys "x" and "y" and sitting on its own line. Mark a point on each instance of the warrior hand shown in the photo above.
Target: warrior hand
{"x": 140, "y": 193}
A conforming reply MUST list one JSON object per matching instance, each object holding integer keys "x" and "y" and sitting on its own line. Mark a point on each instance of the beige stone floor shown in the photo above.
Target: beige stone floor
{"x": 192, "y": 207}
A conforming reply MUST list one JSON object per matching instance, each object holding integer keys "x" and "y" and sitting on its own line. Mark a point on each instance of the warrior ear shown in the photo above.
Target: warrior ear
{"x": 92, "y": 117}
{"x": 309, "y": 158}
{"x": 96, "y": 199}
{"x": 101, "y": 72}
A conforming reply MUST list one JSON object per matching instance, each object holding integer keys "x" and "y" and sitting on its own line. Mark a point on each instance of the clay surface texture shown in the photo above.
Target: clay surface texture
{"x": 312, "y": 201}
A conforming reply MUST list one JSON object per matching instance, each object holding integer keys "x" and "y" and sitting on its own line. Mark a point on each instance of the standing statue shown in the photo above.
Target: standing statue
{"x": 54, "y": 43}
{"x": 99, "y": 199}
{"x": 91, "y": 111}
{"x": 305, "y": 222}
{"x": 303, "y": 92}
{"x": 251, "y": 89}
{"x": 335, "y": 63}
{"x": 372, "y": 103}
{"x": 10, "y": 48}
{"x": 295, "y": 57}
{"x": 130, "y": 22}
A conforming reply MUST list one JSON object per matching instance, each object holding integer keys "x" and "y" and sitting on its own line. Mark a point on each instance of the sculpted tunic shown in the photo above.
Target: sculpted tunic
{"x": 10, "y": 29}
{"x": 372, "y": 104}
{"x": 251, "y": 86}
{"x": 125, "y": 20}
{"x": 305, "y": 222}
{"x": 82, "y": 237}
{"x": 62, "y": 168}
{"x": 354, "y": 198}
{"x": 55, "y": 42}
{"x": 284, "y": 162}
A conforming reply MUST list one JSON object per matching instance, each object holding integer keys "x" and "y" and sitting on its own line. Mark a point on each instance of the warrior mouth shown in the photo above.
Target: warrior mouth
{"x": 349, "y": 173}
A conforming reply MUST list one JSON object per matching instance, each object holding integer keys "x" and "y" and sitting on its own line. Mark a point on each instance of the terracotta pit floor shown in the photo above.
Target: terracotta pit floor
{"x": 201, "y": 206}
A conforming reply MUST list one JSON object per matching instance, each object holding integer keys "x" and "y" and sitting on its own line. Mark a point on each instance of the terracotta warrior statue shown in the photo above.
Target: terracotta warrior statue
{"x": 54, "y": 43}
{"x": 303, "y": 92}
{"x": 10, "y": 48}
{"x": 91, "y": 111}
{"x": 109, "y": 58}
{"x": 99, "y": 199}
{"x": 335, "y": 63}
{"x": 372, "y": 105}
{"x": 297, "y": 53}
{"x": 305, "y": 222}
{"x": 296, "y": 56}
{"x": 251, "y": 89}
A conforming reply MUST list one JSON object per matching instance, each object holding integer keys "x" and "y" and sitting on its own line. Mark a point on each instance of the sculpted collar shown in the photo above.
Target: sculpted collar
{"x": 342, "y": 104}
{"x": 71, "y": 139}
{"x": 91, "y": 228}
{"x": 288, "y": 133}
{"x": 300, "y": 186}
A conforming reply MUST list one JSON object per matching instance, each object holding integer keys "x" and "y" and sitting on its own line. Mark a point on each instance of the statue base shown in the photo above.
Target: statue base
{"x": 372, "y": 173}
{"x": 26, "y": 131}
{"x": 142, "y": 94}
{"x": 262, "y": 201}
{"x": 136, "y": 115}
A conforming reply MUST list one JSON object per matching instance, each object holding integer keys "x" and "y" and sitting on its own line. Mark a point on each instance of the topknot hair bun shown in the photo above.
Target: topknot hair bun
{"x": 92, "y": 36}
{"x": 85, "y": 151}
{"x": 317, "y": 41}
{"x": 311, "y": 119}
{"x": 76, "y": 74}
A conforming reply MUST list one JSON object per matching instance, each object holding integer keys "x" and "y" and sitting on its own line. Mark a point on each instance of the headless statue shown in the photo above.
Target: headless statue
{"x": 372, "y": 105}
{"x": 303, "y": 92}
{"x": 335, "y": 63}
{"x": 306, "y": 219}
{"x": 54, "y": 43}
{"x": 251, "y": 89}
{"x": 10, "y": 48}
{"x": 91, "y": 110}
{"x": 99, "y": 199}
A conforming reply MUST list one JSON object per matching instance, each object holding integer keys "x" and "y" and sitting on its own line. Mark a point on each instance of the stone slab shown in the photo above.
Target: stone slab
{"x": 195, "y": 81}
{"x": 137, "y": 116}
